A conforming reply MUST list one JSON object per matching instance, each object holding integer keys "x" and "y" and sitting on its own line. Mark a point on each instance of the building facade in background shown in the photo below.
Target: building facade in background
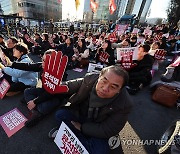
{"x": 122, "y": 9}
{"x": 138, "y": 7}
{"x": 102, "y": 13}
{"x": 145, "y": 10}
{"x": 1, "y": 11}
{"x": 36, "y": 9}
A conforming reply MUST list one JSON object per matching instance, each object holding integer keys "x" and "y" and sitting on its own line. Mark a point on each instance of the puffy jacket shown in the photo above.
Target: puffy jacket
{"x": 26, "y": 77}
{"x": 111, "y": 118}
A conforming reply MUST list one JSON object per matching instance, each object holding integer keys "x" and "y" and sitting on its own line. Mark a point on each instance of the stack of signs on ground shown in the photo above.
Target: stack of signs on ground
{"x": 67, "y": 142}
{"x": 12, "y": 121}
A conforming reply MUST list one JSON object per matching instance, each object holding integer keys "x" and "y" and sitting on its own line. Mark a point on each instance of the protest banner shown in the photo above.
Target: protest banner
{"x": 122, "y": 52}
{"x": 94, "y": 67}
{"x": 135, "y": 31}
{"x": 126, "y": 56}
{"x": 120, "y": 29}
{"x": 67, "y": 141}
{"x": 140, "y": 41}
{"x": 12, "y": 121}
{"x": 4, "y": 87}
{"x": 55, "y": 65}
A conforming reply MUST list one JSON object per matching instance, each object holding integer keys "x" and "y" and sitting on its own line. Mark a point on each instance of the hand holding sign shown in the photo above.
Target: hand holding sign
{"x": 159, "y": 54}
{"x": 54, "y": 69}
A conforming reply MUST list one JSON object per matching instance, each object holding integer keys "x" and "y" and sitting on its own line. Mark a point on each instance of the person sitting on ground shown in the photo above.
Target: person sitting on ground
{"x": 37, "y": 98}
{"x": 100, "y": 113}
{"x": 11, "y": 42}
{"x": 105, "y": 49}
{"x": 81, "y": 54}
{"x": 140, "y": 75}
{"x": 20, "y": 79}
{"x": 45, "y": 45}
{"x": 67, "y": 49}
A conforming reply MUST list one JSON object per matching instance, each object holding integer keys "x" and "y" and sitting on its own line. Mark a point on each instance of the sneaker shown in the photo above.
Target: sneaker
{"x": 53, "y": 132}
{"x": 34, "y": 119}
{"x": 12, "y": 93}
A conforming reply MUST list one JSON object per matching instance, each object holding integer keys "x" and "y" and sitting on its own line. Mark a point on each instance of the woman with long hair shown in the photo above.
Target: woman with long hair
{"x": 105, "y": 54}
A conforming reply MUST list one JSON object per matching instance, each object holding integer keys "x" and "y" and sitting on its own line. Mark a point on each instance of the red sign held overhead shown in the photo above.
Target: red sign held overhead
{"x": 55, "y": 65}
{"x": 112, "y": 37}
{"x": 4, "y": 87}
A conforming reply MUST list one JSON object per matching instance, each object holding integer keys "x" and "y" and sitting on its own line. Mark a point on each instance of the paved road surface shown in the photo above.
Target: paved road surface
{"x": 147, "y": 121}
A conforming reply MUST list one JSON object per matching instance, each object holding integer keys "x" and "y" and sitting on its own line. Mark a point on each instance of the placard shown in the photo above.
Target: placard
{"x": 147, "y": 31}
{"x": 55, "y": 65}
{"x": 12, "y": 121}
{"x": 135, "y": 30}
{"x": 67, "y": 141}
{"x": 94, "y": 67}
{"x": 123, "y": 52}
{"x": 120, "y": 29}
{"x": 140, "y": 41}
{"x": 4, "y": 87}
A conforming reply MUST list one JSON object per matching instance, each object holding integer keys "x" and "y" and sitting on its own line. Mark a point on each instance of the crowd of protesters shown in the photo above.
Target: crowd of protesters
{"x": 81, "y": 48}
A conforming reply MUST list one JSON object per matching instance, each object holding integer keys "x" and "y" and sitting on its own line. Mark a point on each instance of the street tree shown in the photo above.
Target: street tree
{"x": 173, "y": 12}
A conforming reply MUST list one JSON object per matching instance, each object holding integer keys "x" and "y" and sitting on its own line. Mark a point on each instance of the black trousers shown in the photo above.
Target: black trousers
{"x": 17, "y": 86}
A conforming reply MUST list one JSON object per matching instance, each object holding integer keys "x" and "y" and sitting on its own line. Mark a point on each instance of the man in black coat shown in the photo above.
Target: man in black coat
{"x": 99, "y": 108}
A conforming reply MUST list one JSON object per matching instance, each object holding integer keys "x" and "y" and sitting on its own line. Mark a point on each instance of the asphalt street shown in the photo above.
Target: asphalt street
{"x": 147, "y": 121}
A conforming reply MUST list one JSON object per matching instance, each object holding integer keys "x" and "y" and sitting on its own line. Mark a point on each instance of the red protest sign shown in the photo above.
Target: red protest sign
{"x": 103, "y": 57}
{"x": 120, "y": 29}
{"x": 159, "y": 54}
{"x": 55, "y": 65}
{"x": 127, "y": 62}
{"x": 126, "y": 56}
{"x": 112, "y": 37}
{"x": 12, "y": 121}
{"x": 4, "y": 87}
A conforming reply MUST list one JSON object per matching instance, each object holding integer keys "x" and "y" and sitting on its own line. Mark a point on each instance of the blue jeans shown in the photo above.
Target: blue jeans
{"x": 44, "y": 107}
{"x": 93, "y": 145}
